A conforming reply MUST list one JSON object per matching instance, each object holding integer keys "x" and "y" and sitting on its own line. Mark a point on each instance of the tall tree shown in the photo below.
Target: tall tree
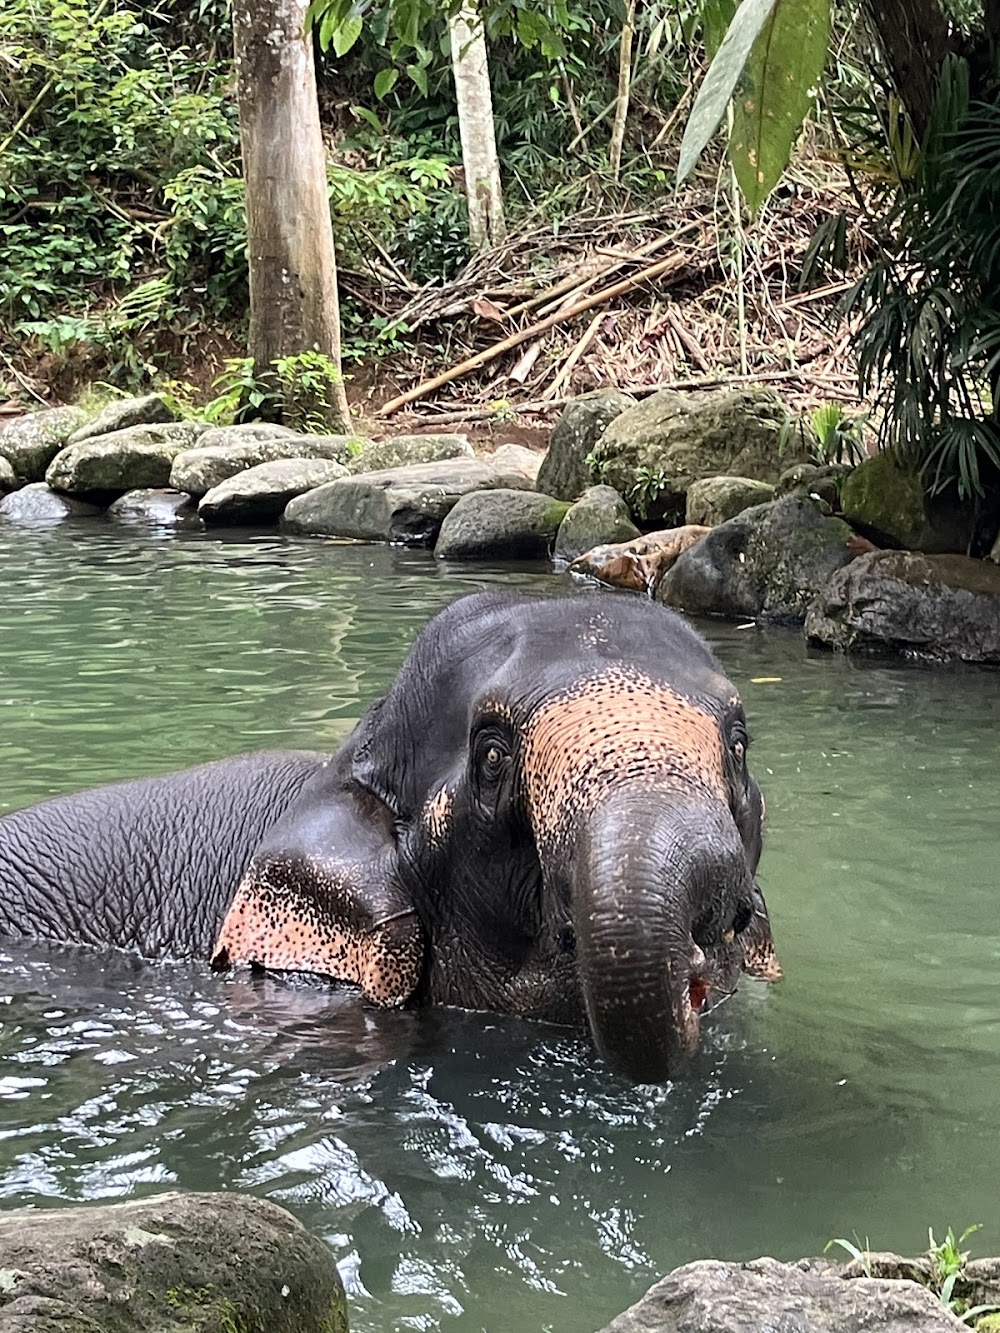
{"x": 475, "y": 123}
{"x": 293, "y": 270}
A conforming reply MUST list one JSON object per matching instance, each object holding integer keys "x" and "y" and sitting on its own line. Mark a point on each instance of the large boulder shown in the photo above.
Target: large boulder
{"x": 126, "y": 460}
{"x": 35, "y": 505}
{"x": 227, "y": 450}
{"x": 405, "y": 505}
{"x": 567, "y": 472}
{"x": 599, "y": 518}
{"x": 932, "y": 607}
{"x": 148, "y": 411}
{"x": 812, "y": 1296}
{"x": 500, "y": 524}
{"x": 30, "y": 443}
{"x": 260, "y": 494}
{"x": 406, "y": 450}
{"x": 714, "y": 500}
{"x": 888, "y": 504}
{"x": 768, "y": 561}
{"x": 153, "y": 507}
{"x": 653, "y": 452}
{"x": 640, "y": 564}
{"x": 172, "y": 1263}
{"x": 520, "y": 458}
{"x": 8, "y": 478}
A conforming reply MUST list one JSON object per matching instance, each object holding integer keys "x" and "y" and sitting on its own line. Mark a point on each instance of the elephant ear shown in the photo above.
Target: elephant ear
{"x": 323, "y": 895}
{"x": 759, "y": 957}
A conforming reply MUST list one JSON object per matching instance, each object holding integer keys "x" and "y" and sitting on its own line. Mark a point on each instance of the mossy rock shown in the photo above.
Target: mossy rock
{"x": 566, "y": 471}
{"x": 888, "y": 504}
{"x": 30, "y": 443}
{"x": 500, "y": 524}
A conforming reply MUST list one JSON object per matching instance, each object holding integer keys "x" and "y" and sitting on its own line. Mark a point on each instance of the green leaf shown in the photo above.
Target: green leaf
{"x": 419, "y": 77}
{"x": 345, "y": 35}
{"x": 385, "y": 81}
{"x": 716, "y": 16}
{"x": 368, "y": 116}
{"x": 776, "y": 92}
{"x": 723, "y": 73}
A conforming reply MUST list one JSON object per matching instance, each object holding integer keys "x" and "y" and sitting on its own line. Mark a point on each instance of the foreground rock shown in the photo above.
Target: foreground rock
{"x": 812, "y": 1296}
{"x": 152, "y": 507}
{"x": 407, "y": 450}
{"x": 148, "y": 411}
{"x": 639, "y": 565}
{"x": 36, "y": 506}
{"x": 769, "y": 561}
{"x": 261, "y": 494}
{"x": 31, "y": 442}
{"x": 932, "y": 607}
{"x": 566, "y": 472}
{"x": 405, "y": 505}
{"x": 888, "y": 504}
{"x": 599, "y": 518}
{"x": 715, "y": 500}
{"x": 504, "y": 524}
{"x": 125, "y": 460}
{"x": 8, "y": 479}
{"x": 169, "y": 1264}
{"x": 673, "y": 439}
{"x": 227, "y": 450}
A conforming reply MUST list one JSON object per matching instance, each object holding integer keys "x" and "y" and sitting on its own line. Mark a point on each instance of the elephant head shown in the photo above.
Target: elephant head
{"x": 549, "y": 814}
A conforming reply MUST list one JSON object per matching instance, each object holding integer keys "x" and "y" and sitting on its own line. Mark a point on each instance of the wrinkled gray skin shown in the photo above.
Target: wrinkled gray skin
{"x": 549, "y": 814}
{"x": 148, "y": 865}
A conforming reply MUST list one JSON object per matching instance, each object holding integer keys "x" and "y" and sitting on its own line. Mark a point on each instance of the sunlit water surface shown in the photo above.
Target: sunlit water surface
{"x": 474, "y": 1172}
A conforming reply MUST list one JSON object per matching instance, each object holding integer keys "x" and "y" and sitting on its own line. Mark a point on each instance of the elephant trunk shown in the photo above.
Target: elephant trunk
{"x": 656, "y": 880}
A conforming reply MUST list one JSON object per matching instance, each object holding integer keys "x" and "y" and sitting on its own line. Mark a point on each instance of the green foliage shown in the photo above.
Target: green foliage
{"x": 649, "y": 485}
{"x": 296, "y": 390}
{"x": 839, "y": 437}
{"x": 860, "y": 1255}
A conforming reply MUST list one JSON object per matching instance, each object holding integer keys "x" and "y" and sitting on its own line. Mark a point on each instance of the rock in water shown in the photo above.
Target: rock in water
{"x": 169, "y": 1264}
{"x": 157, "y": 508}
{"x": 261, "y": 494}
{"x": 715, "y": 500}
{"x": 808, "y": 1297}
{"x": 500, "y": 524}
{"x": 36, "y": 506}
{"x": 148, "y": 411}
{"x": 30, "y": 443}
{"x": 599, "y": 518}
{"x": 137, "y": 458}
{"x": 8, "y": 480}
{"x": 931, "y": 607}
{"x": 768, "y": 561}
{"x": 406, "y": 450}
{"x": 223, "y": 452}
{"x": 405, "y": 505}
{"x": 566, "y": 472}
{"x": 889, "y": 504}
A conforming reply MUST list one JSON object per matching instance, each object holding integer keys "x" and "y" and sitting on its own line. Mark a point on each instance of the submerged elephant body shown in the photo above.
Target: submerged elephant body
{"x": 548, "y": 814}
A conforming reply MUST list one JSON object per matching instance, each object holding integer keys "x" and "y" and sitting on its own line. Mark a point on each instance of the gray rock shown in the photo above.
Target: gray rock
{"x": 930, "y": 607}
{"x": 768, "y": 561}
{"x": 227, "y": 450}
{"x": 408, "y": 450}
{"x": 820, "y": 481}
{"x": 812, "y": 1296}
{"x": 889, "y": 504}
{"x": 8, "y": 479}
{"x": 260, "y": 494}
{"x": 405, "y": 505}
{"x": 125, "y": 460}
{"x": 673, "y": 439}
{"x": 714, "y": 500}
{"x": 30, "y": 443}
{"x": 148, "y": 411}
{"x": 565, "y": 473}
{"x": 599, "y": 518}
{"x": 36, "y": 506}
{"x": 167, "y": 1264}
{"x": 501, "y": 524}
{"x": 519, "y": 457}
{"x": 159, "y": 508}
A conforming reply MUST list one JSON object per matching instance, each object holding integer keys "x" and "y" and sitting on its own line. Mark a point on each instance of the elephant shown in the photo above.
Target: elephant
{"x": 548, "y": 814}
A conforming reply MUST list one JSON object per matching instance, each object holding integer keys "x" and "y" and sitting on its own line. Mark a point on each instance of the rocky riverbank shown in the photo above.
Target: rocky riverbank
{"x": 712, "y": 502}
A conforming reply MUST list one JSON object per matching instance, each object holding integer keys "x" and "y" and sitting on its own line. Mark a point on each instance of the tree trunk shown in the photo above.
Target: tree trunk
{"x": 475, "y": 123}
{"x": 293, "y": 269}
{"x": 624, "y": 90}
{"x": 915, "y": 37}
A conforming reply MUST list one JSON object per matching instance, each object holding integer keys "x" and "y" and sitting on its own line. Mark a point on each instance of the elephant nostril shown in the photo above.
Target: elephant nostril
{"x": 566, "y": 939}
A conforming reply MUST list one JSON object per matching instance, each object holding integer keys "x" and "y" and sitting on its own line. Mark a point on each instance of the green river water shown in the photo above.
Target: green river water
{"x": 477, "y": 1173}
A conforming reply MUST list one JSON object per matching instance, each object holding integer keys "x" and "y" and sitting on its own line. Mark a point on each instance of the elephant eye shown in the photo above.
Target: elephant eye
{"x": 491, "y": 757}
